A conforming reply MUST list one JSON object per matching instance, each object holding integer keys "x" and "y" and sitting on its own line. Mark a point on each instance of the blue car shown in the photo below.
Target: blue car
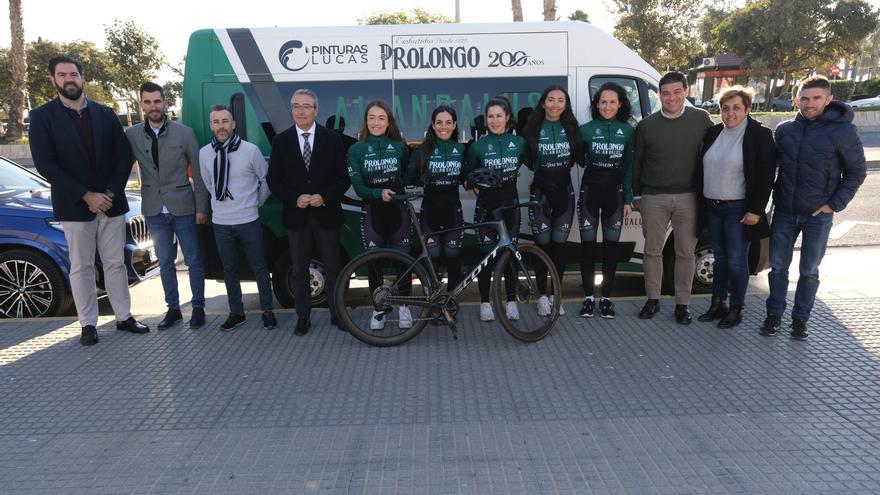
{"x": 34, "y": 263}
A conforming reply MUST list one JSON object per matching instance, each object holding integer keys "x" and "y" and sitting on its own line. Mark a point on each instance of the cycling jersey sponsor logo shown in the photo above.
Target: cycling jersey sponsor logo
{"x": 620, "y": 132}
{"x": 390, "y": 146}
{"x": 455, "y": 151}
{"x": 295, "y": 55}
{"x": 511, "y": 145}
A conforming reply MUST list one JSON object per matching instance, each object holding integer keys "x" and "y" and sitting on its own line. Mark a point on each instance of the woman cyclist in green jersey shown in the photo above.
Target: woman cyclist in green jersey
{"x": 504, "y": 153}
{"x": 606, "y": 154}
{"x": 376, "y": 165}
{"x": 551, "y": 135}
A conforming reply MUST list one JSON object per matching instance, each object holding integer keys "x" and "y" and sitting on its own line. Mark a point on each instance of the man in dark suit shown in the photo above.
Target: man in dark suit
{"x": 79, "y": 147}
{"x": 307, "y": 172}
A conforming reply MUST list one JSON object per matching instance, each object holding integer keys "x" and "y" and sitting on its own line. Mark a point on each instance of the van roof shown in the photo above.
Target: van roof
{"x": 531, "y": 45}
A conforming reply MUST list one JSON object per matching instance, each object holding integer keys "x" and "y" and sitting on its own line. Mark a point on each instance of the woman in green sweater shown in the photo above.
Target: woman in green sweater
{"x": 606, "y": 153}
{"x": 376, "y": 165}
{"x": 551, "y": 135}
{"x": 504, "y": 153}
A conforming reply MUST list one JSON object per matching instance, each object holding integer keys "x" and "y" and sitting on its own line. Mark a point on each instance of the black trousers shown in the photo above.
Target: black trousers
{"x": 304, "y": 242}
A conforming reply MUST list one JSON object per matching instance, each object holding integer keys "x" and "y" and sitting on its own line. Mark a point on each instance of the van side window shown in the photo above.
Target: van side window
{"x": 653, "y": 98}
{"x": 627, "y": 83}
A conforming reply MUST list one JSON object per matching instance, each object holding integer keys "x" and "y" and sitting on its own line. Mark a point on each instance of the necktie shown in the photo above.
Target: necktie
{"x": 307, "y": 150}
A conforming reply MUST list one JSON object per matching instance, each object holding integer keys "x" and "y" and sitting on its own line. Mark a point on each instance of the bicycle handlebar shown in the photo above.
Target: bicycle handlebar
{"x": 406, "y": 196}
{"x": 496, "y": 213}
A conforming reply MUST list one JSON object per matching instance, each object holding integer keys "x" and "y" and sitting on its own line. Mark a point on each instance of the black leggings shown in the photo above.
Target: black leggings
{"x": 597, "y": 201}
{"x": 488, "y": 238}
{"x": 551, "y": 226}
{"x": 441, "y": 214}
{"x": 386, "y": 225}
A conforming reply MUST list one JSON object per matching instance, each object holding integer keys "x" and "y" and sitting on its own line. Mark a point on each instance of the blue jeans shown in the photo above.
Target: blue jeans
{"x": 248, "y": 237}
{"x": 783, "y": 233}
{"x": 731, "y": 249}
{"x": 163, "y": 228}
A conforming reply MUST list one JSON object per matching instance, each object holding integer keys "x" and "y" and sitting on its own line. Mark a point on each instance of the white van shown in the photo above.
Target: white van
{"x": 414, "y": 68}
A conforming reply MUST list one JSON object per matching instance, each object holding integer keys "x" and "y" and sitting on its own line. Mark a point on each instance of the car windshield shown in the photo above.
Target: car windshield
{"x": 15, "y": 180}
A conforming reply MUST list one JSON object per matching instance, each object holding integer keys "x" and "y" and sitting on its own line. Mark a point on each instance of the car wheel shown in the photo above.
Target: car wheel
{"x": 31, "y": 286}
{"x": 282, "y": 282}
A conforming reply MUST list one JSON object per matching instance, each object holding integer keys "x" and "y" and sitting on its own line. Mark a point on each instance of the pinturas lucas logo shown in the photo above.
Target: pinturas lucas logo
{"x": 293, "y": 55}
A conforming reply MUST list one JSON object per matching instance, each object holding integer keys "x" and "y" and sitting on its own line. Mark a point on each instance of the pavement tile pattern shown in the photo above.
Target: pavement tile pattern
{"x": 599, "y": 407}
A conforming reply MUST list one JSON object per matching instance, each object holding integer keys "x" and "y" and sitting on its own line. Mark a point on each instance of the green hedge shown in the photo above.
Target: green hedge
{"x": 843, "y": 90}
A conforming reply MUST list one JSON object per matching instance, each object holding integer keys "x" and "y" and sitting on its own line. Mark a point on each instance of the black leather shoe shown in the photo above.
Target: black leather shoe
{"x": 799, "y": 330}
{"x": 232, "y": 321}
{"x": 171, "y": 318}
{"x": 132, "y": 325}
{"x": 717, "y": 309}
{"x": 198, "y": 318}
{"x": 651, "y": 308}
{"x": 269, "y": 321}
{"x": 733, "y": 317}
{"x": 682, "y": 314}
{"x": 89, "y": 335}
{"x": 302, "y": 327}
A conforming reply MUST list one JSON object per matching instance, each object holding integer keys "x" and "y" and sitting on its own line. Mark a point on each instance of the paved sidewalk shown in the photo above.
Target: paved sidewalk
{"x": 600, "y": 406}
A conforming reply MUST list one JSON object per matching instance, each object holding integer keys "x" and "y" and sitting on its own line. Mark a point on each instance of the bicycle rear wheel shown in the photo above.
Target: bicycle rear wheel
{"x": 396, "y": 279}
{"x": 515, "y": 281}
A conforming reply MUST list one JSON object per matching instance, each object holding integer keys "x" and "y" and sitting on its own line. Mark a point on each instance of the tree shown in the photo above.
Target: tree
{"x": 18, "y": 63}
{"x": 134, "y": 57}
{"x": 579, "y": 15}
{"x": 416, "y": 16}
{"x": 661, "y": 32}
{"x": 817, "y": 33}
{"x": 549, "y": 10}
{"x": 516, "y": 6}
{"x": 708, "y": 26}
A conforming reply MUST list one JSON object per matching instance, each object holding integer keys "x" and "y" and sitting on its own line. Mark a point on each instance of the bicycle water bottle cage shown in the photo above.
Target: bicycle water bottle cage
{"x": 483, "y": 178}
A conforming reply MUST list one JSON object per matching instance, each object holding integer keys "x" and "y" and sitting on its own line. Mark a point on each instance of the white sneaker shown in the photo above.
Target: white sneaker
{"x": 561, "y": 309}
{"x": 512, "y": 311}
{"x": 405, "y": 320}
{"x": 486, "y": 313}
{"x": 375, "y": 322}
{"x": 544, "y": 306}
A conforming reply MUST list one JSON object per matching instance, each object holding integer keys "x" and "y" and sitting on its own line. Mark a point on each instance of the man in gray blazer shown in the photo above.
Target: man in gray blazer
{"x": 166, "y": 151}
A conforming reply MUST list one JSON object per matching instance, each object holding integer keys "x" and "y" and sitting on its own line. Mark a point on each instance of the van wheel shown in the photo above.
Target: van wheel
{"x": 282, "y": 283}
{"x": 31, "y": 286}
{"x": 704, "y": 261}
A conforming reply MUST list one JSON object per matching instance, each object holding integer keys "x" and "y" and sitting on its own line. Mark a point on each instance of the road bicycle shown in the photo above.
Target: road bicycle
{"x": 402, "y": 280}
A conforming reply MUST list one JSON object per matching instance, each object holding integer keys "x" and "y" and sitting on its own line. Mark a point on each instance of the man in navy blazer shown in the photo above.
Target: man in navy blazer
{"x": 79, "y": 147}
{"x": 307, "y": 172}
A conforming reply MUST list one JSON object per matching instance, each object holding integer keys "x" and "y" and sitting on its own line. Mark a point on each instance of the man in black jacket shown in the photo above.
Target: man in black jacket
{"x": 79, "y": 147}
{"x": 821, "y": 166}
{"x": 307, "y": 172}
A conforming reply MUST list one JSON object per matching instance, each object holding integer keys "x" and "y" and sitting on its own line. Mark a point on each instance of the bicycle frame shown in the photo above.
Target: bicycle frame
{"x": 504, "y": 242}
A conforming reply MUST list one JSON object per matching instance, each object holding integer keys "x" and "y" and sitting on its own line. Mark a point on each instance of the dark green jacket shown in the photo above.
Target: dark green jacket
{"x": 552, "y": 161}
{"x": 375, "y": 164}
{"x": 504, "y": 153}
{"x": 606, "y": 150}
{"x": 444, "y": 166}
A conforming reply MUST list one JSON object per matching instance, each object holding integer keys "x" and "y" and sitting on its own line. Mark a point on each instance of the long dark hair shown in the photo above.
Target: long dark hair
{"x": 427, "y": 145}
{"x": 624, "y": 113}
{"x": 393, "y": 132}
{"x": 532, "y": 130}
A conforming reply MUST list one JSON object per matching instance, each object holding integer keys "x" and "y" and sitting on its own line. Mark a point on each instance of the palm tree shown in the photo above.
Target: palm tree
{"x": 516, "y": 5}
{"x": 549, "y": 10}
{"x": 19, "y": 72}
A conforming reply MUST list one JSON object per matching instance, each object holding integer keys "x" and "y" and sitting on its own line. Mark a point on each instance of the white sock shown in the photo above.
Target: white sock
{"x": 588, "y": 298}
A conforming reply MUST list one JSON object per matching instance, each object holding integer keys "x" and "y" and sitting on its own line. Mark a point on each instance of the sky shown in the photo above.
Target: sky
{"x": 171, "y": 21}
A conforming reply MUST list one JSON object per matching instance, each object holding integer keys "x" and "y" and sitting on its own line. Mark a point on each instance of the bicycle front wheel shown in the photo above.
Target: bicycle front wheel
{"x": 525, "y": 312}
{"x": 377, "y": 294}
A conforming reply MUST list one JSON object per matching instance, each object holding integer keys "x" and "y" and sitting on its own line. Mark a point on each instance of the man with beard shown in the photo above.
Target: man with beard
{"x": 234, "y": 171}
{"x": 79, "y": 147}
{"x": 165, "y": 151}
